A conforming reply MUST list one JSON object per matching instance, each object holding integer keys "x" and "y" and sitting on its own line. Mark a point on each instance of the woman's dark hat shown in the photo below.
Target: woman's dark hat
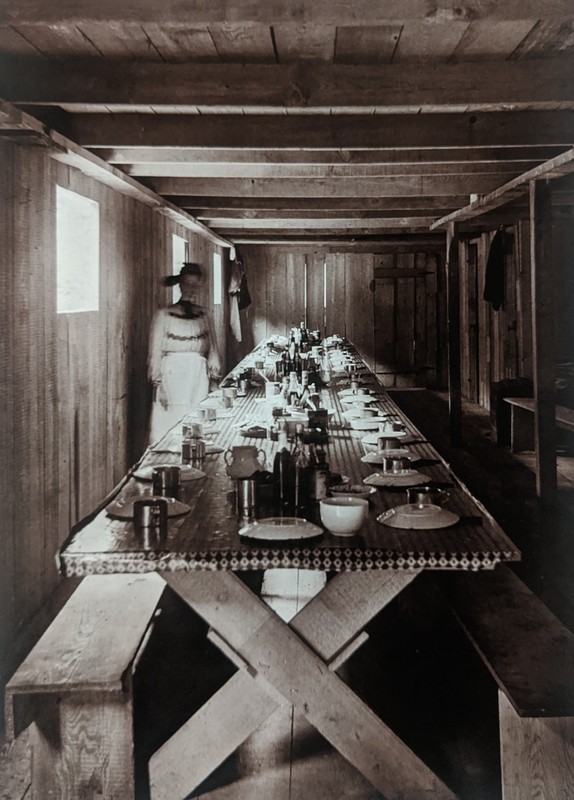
{"x": 189, "y": 268}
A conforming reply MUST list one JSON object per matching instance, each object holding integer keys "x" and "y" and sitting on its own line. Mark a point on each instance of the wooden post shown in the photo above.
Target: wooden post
{"x": 453, "y": 331}
{"x": 542, "y": 283}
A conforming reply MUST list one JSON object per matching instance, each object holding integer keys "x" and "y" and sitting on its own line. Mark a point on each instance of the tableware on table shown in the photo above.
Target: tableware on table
{"x": 420, "y": 495}
{"x": 364, "y": 412}
{"x": 373, "y": 438}
{"x": 377, "y": 457}
{"x": 124, "y": 509}
{"x": 150, "y": 519}
{"x": 358, "y": 400}
{"x": 243, "y": 460}
{"x": 418, "y": 517}
{"x": 391, "y": 427}
{"x": 410, "y": 477}
{"x": 395, "y": 464}
{"x": 272, "y": 388}
{"x": 229, "y": 391}
{"x": 207, "y": 413}
{"x": 343, "y": 516}
{"x": 186, "y": 473}
{"x": 193, "y": 452}
{"x": 352, "y": 490}
{"x": 166, "y": 481}
{"x": 246, "y": 499}
{"x": 365, "y": 423}
{"x": 281, "y": 529}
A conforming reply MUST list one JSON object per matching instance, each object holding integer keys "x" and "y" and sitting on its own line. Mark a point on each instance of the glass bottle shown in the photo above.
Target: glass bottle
{"x": 284, "y": 476}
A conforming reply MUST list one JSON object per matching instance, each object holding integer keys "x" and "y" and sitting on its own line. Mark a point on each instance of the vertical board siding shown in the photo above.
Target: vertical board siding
{"x": 74, "y": 391}
{"x": 8, "y": 578}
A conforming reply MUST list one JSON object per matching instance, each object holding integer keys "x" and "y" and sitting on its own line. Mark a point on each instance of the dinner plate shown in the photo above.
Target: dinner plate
{"x": 373, "y": 438}
{"x": 352, "y": 490}
{"x": 280, "y": 529}
{"x": 353, "y": 392}
{"x": 377, "y": 458}
{"x": 124, "y": 509}
{"x": 363, "y": 398}
{"x": 418, "y": 517}
{"x": 186, "y": 473}
{"x": 408, "y": 477}
{"x": 366, "y": 423}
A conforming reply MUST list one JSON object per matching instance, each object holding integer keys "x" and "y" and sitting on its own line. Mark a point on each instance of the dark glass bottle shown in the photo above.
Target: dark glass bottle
{"x": 284, "y": 477}
{"x": 301, "y": 465}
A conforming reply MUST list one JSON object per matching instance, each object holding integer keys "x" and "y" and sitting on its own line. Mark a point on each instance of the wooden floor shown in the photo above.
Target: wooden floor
{"x": 429, "y": 688}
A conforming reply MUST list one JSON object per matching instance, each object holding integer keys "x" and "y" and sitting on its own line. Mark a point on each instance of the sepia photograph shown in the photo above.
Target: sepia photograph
{"x": 287, "y": 400}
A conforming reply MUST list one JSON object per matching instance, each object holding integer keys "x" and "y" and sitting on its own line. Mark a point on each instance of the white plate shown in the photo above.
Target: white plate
{"x": 352, "y": 490}
{"x": 353, "y": 392}
{"x": 373, "y": 438}
{"x": 125, "y": 509}
{"x": 187, "y": 473}
{"x": 377, "y": 458}
{"x": 366, "y": 423}
{"x": 280, "y": 529}
{"x": 408, "y": 477}
{"x": 418, "y": 517}
{"x": 363, "y": 398}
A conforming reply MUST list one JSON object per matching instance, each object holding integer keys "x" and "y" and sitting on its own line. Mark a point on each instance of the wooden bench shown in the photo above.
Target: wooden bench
{"x": 74, "y": 690}
{"x": 522, "y": 422}
{"x": 530, "y": 655}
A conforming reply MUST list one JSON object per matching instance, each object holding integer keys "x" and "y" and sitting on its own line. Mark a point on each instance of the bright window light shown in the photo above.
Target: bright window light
{"x": 179, "y": 250}
{"x": 77, "y": 252}
{"x": 217, "y": 279}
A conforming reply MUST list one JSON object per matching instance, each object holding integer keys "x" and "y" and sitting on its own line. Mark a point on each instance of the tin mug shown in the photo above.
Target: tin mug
{"x": 423, "y": 495}
{"x": 165, "y": 481}
{"x": 150, "y": 519}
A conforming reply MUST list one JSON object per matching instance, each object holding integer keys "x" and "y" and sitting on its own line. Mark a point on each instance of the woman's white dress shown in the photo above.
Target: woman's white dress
{"x": 182, "y": 358}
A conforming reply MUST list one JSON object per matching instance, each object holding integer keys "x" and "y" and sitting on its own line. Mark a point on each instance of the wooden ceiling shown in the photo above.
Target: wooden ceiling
{"x": 310, "y": 121}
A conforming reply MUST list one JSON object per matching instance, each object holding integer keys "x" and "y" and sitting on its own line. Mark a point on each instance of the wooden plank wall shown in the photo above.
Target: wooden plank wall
{"x": 75, "y": 398}
{"x": 392, "y": 321}
{"x": 496, "y": 345}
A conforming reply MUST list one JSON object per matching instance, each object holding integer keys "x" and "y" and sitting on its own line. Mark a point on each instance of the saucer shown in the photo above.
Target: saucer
{"x": 124, "y": 509}
{"x": 407, "y": 477}
{"x": 418, "y": 517}
{"x": 377, "y": 458}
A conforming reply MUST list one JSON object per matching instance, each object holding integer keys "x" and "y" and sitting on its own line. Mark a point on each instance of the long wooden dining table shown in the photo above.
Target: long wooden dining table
{"x": 293, "y": 662}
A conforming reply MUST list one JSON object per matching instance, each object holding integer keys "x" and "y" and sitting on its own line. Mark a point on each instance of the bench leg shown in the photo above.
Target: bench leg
{"x": 82, "y": 747}
{"x": 537, "y": 755}
{"x": 521, "y": 429}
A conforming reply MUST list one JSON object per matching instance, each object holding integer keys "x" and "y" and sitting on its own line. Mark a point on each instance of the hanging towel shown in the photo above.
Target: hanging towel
{"x": 494, "y": 278}
{"x": 234, "y": 292}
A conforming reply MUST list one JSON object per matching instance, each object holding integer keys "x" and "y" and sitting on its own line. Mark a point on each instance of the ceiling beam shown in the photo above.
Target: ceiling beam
{"x": 499, "y": 129}
{"x": 274, "y": 12}
{"x": 413, "y": 185}
{"x": 334, "y": 223}
{"x": 294, "y": 171}
{"x": 554, "y": 168}
{"x": 335, "y": 204}
{"x": 233, "y": 88}
{"x": 198, "y": 155}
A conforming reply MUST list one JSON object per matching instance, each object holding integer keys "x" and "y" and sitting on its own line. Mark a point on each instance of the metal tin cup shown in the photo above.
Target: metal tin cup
{"x": 246, "y": 499}
{"x": 165, "y": 481}
{"x": 421, "y": 495}
{"x": 198, "y": 451}
{"x": 150, "y": 519}
{"x": 396, "y": 464}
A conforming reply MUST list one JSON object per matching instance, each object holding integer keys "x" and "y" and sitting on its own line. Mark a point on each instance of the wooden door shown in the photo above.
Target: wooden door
{"x": 405, "y": 334}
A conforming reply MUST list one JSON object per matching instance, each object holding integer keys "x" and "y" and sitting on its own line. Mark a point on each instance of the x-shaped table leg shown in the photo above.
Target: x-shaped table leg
{"x": 289, "y": 664}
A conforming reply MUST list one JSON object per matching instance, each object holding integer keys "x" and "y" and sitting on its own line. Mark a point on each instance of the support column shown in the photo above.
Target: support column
{"x": 543, "y": 332}
{"x": 453, "y": 333}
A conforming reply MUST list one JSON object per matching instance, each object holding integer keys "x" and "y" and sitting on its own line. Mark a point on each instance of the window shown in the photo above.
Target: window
{"x": 77, "y": 252}
{"x": 179, "y": 254}
{"x": 217, "y": 279}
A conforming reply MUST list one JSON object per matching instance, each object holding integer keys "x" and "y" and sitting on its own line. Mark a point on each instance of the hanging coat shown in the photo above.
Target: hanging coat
{"x": 494, "y": 279}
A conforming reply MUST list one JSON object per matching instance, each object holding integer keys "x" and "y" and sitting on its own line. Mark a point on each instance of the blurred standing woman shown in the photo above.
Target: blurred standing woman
{"x": 183, "y": 354}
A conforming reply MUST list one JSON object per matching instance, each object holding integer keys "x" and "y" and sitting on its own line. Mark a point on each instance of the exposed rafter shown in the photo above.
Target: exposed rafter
{"x": 298, "y": 12}
{"x": 273, "y": 88}
{"x": 554, "y": 168}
